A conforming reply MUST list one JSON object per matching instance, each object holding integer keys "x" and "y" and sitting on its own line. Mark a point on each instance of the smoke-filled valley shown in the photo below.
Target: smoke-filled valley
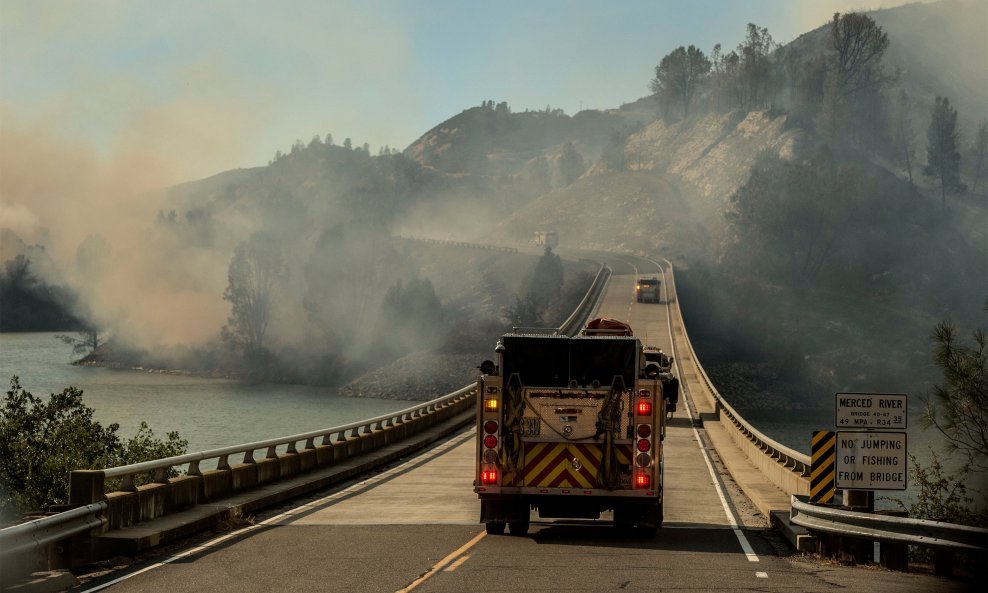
{"x": 813, "y": 253}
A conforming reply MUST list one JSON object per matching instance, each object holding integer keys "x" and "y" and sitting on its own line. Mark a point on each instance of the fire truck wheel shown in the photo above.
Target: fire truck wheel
{"x": 518, "y": 527}
{"x": 647, "y": 531}
{"x": 623, "y": 519}
{"x": 495, "y": 527}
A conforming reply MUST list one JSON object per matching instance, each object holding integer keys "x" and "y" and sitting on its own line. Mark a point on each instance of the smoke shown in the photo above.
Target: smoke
{"x": 63, "y": 195}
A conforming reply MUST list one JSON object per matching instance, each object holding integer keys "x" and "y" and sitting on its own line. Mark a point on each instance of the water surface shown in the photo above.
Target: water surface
{"x": 208, "y": 412}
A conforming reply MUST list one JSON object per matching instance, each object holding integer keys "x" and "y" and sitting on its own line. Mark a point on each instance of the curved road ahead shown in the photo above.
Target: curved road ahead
{"x": 415, "y": 527}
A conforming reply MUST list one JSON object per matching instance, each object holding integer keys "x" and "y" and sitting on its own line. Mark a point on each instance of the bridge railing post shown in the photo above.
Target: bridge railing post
{"x": 85, "y": 487}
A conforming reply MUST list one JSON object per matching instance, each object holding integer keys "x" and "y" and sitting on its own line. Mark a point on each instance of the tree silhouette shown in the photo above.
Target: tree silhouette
{"x": 679, "y": 76}
{"x": 859, "y": 44}
{"x": 255, "y": 270}
{"x": 959, "y": 407}
{"x": 547, "y": 279}
{"x": 943, "y": 159}
{"x": 980, "y": 153}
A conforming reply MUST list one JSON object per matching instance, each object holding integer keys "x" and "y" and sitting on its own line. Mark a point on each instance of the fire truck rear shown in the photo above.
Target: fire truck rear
{"x": 570, "y": 427}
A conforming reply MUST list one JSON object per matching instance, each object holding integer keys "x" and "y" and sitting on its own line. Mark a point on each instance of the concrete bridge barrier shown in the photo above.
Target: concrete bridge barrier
{"x": 132, "y": 516}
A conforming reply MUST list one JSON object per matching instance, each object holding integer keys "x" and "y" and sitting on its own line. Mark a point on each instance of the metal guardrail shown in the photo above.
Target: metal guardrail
{"x": 162, "y": 466}
{"x": 448, "y": 243}
{"x": 941, "y": 536}
{"x": 579, "y": 316}
{"x": 798, "y": 463}
{"x": 915, "y": 532}
{"x": 37, "y": 534}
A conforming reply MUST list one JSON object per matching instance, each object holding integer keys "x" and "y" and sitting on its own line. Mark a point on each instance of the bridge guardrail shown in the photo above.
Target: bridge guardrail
{"x": 222, "y": 454}
{"x": 450, "y": 243}
{"x": 38, "y": 533}
{"x": 25, "y": 547}
{"x": 579, "y": 316}
{"x": 787, "y": 468}
{"x": 945, "y": 538}
{"x": 915, "y": 532}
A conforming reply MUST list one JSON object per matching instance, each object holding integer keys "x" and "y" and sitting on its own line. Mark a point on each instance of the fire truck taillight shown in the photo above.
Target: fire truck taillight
{"x": 644, "y": 393}
{"x": 642, "y": 480}
{"x": 644, "y": 431}
{"x": 490, "y": 441}
{"x": 491, "y": 405}
{"x": 490, "y": 427}
{"x": 489, "y": 476}
{"x": 643, "y": 445}
{"x": 644, "y": 408}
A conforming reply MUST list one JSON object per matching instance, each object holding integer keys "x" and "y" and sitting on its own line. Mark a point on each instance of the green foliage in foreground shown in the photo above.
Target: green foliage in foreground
{"x": 942, "y": 496}
{"x": 942, "y": 493}
{"x": 958, "y": 408}
{"x": 42, "y": 441}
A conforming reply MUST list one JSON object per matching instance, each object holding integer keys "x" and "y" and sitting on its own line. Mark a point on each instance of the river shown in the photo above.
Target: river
{"x": 209, "y": 413}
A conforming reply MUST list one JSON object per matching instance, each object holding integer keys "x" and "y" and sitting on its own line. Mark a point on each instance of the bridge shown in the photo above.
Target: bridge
{"x": 388, "y": 504}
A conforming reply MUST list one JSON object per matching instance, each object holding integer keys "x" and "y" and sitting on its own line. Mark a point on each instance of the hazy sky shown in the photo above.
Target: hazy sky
{"x": 198, "y": 87}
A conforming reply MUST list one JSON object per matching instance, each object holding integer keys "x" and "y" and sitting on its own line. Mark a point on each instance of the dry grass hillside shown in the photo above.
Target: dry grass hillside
{"x": 712, "y": 155}
{"x": 671, "y": 197}
{"x": 620, "y": 211}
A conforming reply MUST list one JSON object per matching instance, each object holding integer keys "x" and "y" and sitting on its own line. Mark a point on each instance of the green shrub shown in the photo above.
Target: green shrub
{"x": 42, "y": 441}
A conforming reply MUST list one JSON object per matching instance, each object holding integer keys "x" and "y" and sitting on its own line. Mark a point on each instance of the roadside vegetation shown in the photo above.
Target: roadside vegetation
{"x": 953, "y": 485}
{"x": 43, "y": 439}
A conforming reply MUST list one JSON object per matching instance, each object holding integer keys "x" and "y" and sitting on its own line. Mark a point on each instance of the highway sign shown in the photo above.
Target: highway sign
{"x": 871, "y": 460}
{"x": 871, "y": 410}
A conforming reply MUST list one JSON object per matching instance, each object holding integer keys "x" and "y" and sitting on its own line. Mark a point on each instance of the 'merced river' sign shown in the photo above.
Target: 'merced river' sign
{"x": 871, "y": 410}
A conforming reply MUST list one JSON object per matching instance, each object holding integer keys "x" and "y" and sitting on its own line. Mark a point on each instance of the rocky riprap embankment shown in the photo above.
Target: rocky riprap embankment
{"x": 420, "y": 376}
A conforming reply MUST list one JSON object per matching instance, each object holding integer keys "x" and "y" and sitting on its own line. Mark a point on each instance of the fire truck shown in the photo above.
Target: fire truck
{"x": 570, "y": 427}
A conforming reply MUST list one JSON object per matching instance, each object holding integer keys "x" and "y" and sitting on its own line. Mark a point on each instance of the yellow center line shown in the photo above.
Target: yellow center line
{"x": 443, "y": 563}
{"x": 457, "y": 564}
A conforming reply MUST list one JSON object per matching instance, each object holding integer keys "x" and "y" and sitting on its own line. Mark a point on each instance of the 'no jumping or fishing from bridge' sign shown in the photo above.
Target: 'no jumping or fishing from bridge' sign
{"x": 871, "y": 460}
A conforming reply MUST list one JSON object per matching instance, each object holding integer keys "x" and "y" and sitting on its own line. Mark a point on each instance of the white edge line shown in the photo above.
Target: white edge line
{"x": 749, "y": 552}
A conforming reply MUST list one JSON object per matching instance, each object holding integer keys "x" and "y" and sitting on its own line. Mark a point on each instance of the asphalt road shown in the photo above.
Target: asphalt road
{"x": 414, "y": 527}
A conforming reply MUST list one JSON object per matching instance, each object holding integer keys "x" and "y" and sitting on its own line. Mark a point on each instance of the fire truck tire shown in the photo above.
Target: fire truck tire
{"x": 518, "y": 527}
{"x": 638, "y": 521}
{"x": 495, "y": 527}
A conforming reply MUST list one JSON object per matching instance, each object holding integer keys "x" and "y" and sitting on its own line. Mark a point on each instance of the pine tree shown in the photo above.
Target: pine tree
{"x": 943, "y": 159}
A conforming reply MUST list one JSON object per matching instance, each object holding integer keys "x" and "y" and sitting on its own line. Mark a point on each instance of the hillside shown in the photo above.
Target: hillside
{"x": 803, "y": 243}
{"x": 491, "y": 140}
{"x": 895, "y": 263}
{"x": 671, "y": 192}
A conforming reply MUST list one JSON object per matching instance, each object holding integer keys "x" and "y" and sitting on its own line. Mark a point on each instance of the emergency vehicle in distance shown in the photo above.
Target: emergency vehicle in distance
{"x": 570, "y": 427}
{"x": 547, "y": 238}
{"x": 647, "y": 290}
